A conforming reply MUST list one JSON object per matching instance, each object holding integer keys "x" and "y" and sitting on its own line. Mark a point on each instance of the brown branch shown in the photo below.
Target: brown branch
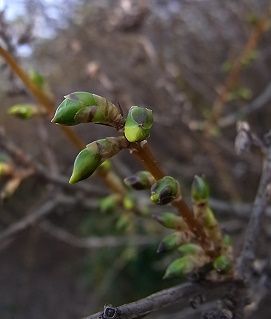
{"x": 143, "y": 152}
{"x": 180, "y": 295}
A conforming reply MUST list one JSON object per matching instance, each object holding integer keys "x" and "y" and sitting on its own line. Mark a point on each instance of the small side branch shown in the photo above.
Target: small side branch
{"x": 180, "y": 295}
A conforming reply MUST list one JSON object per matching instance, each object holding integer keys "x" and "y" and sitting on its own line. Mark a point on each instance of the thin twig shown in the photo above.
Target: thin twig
{"x": 96, "y": 242}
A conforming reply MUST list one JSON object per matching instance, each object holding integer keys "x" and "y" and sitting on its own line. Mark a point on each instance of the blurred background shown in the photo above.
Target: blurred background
{"x": 200, "y": 65}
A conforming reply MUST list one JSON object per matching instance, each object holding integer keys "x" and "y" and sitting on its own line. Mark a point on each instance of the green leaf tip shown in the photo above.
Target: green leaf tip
{"x": 85, "y": 107}
{"x": 222, "y": 264}
{"x": 165, "y": 190}
{"x": 200, "y": 190}
{"x": 138, "y": 124}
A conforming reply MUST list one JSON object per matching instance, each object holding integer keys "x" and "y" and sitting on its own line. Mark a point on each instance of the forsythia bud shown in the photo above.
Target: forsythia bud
{"x": 165, "y": 190}
{"x": 84, "y": 107}
{"x": 37, "y": 79}
{"x": 172, "y": 241}
{"x": 138, "y": 124}
{"x": 200, "y": 190}
{"x": 23, "y": 111}
{"x": 170, "y": 220}
{"x": 91, "y": 157}
{"x": 139, "y": 181}
{"x": 181, "y": 267}
{"x": 222, "y": 264}
{"x": 190, "y": 249}
{"x": 109, "y": 203}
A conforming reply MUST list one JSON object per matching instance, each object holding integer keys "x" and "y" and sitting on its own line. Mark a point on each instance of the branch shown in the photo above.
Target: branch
{"x": 96, "y": 242}
{"x": 254, "y": 227}
{"x": 180, "y": 295}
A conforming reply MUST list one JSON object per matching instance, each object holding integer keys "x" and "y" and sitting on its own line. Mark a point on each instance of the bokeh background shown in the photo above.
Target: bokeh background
{"x": 200, "y": 65}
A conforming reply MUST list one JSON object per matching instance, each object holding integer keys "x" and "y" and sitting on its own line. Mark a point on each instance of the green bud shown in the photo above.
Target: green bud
{"x": 222, "y": 264}
{"x": 190, "y": 249}
{"x": 200, "y": 190}
{"x": 170, "y": 220}
{"x": 106, "y": 166}
{"x": 172, "y": 241}
{"x": 181, "y": 267}
{"x": 109, "y": 203}
{"x": 23, "y": 111}
{"x": 84, "y": 107}
{"x": 91, "y": 157}
{"x": 124, "y": 222}
{"x": 37, "y": 79}
{"x": 227, "y": 241}
{"x": 5, "y": 169}
{"x": 165, "y": 190}
{"x": 138, "y": 124}
{"x": 128, "y": 202}
{"x": 142, "y": 180}
{"x": 209, "y": 219}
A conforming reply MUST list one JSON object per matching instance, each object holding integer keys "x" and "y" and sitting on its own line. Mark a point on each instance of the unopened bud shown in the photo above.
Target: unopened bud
{"x": 181, "y": 267}
{"x": 172, "y": 241}
{"x": 91, "y": 157}
{"x": 190, "y": 249}
{"x": 138, "y": 124}
{"x": 139, "y": 181}
{"x": 24, "y": 111}
{"x": 109, "y": 203}
{"x": 200, "y": 190}
{"x": 165, "y": 190}
{"x": 170, "y": 220}
{"x": 84, "y": 107}
{"x": 222, "y": 264}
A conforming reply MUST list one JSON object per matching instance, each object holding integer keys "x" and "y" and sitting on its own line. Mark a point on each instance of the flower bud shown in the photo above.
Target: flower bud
{"x": 190, "y": 249}
{"x": 172, "y": 241}
{"x": 222, "y": 264}
{"x": 91, "y": 157}
{"x": 165, "y": 190}
{"x": 24, "y": 111}
{"x": 37, "y": 79}
{"x": 181, "y": 267}
{"x": 142, "y": 180}
{"x": 200, "y": 190}
{"x": 109, "y": 203}
{"x": 84, "y": 107}
{"x": 170, "y": 220}
{"x": 138, "y": 124}
{"x": 5, "y": 169}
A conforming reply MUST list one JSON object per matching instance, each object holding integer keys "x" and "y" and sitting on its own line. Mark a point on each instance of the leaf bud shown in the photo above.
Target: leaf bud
{"x": 138, "y": 124}
{"x": 222, "y": 264}
{"x": 165, "y": 190}
{"x": 190, "y": 249}
{"x": 200, "y": 190}
{"x": 109, "y": 203}
{"x": 24, "y": 111}
{"x": 91, "y": 157}
{"x": 172, "y": 241}
{"x": 172, "y": 221}
{"x": 141, "y": 180}
{"x": 181, "y": 267}
{"x": 85, "y": 107}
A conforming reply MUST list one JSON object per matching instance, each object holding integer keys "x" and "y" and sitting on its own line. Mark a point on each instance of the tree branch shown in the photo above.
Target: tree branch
{"x": 180, "y": 295}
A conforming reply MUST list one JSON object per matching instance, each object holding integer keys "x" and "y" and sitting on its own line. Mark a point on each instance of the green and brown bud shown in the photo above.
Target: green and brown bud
{"x": 173, "y": 240}
{"x": 181, "y": 267}
{"x": 95, "y": 153}
{"x": 222, "y": 264}
{"x": 138, "y": 124}
{"x": 165, "y": 190}
{"x": 6, "y": 169}
{"x": 190, "y": 249}
{"x": 24, "y": 111}
{"x": 85, "y": 107}
{"x": 200, "y": 190}
{"x": 172, "y": 221}
{"x": 141, "y": 180}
